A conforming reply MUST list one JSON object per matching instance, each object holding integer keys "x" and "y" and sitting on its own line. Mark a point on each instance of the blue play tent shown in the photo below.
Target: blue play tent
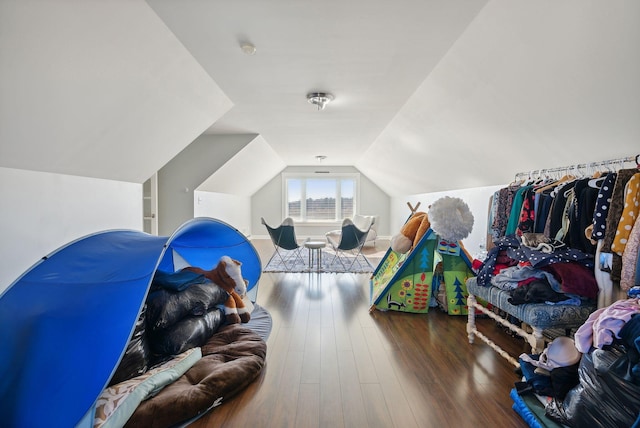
{"x": 66, "y": 322}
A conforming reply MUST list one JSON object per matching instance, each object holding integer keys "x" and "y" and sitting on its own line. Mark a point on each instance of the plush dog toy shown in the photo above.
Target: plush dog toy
{"x": 411, "y": 233}
{"x": 229, "y": 276}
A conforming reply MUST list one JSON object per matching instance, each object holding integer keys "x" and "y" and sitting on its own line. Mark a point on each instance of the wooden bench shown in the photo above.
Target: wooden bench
{"x": 536, "y": 317}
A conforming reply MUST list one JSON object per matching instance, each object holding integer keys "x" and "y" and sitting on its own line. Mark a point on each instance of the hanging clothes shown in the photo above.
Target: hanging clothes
{"x": 527, "y": 212}
{"x": 503, "y": 209}
{"x": 613, "y": 217}
{"x": 602, "y": 206}
{"x": 630, "y": 259}
{"x": 558, "y": 224}
{"x": 629, "y": 214}
{"x": 581, "y": 215}
{"x": 616, "y": 206}
{"x": 542, "y": 209}
{"x": 516, "y": 208}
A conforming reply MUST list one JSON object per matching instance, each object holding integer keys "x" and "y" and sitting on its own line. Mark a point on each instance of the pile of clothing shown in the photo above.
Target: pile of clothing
{"x": 607, "y": 375}
{"x": 535, "y": 269}
{"x": 554, "y": 372}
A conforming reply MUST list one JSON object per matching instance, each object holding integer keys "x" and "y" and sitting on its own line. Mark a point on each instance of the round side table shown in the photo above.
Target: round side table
{"x": 315, "y": 252}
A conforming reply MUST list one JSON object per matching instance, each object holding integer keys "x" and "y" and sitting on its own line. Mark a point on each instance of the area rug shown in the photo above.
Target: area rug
{"x": 362, "y": 265}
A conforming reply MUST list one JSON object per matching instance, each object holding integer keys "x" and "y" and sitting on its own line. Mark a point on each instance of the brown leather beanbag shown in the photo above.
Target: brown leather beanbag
{"x": 231, "y": 359}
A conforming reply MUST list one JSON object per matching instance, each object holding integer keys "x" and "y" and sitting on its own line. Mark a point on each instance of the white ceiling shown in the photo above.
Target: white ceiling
{"x": 430, "y": 95}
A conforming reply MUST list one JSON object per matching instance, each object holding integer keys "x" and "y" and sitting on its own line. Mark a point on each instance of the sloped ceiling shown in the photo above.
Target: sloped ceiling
{"x": 528, "y": 85}
{"x": 247, "y": 171}
{"x": 97, "y": 89}
{"x": 430, "y": 95}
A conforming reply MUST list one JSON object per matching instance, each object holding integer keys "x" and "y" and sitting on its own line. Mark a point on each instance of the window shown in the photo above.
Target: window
{"x": 309, "y": 198}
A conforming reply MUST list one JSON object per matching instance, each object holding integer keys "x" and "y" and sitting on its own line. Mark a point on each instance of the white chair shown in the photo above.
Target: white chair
{"x": 362, "y": 222}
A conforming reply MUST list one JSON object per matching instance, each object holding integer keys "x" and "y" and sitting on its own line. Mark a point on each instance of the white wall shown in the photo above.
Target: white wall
{"x": 232, "y": 209}
{"x": 43, "y": 211}
{"x": 476, "y": 198}
{"x": 178, "y": 179}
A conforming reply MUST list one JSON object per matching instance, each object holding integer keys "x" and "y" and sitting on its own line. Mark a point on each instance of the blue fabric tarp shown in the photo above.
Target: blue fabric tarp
{"x": 66, "y": 322}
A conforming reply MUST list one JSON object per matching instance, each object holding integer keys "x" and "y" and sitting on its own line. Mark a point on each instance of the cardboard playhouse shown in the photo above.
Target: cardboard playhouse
{"x": 433, "y": 273}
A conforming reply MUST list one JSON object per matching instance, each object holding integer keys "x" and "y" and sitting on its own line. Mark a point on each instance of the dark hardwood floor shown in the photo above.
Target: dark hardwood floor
{"x": 331, "y": 363}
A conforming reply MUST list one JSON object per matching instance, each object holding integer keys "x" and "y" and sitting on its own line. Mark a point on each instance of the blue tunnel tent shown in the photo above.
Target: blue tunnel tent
{"x": 66, "y": 322}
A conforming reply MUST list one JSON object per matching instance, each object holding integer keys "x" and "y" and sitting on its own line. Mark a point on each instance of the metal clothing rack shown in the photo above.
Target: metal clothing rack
{"x": 539, "y": 173}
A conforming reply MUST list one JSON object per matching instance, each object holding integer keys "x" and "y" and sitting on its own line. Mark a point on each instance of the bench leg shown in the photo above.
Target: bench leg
{"x": 537, "y": 344}
{"x": 471, "y": 317}
{"x": 473, "y": 331}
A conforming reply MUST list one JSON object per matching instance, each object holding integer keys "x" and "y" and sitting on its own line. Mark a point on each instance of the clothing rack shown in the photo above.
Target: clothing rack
{"x": 538, "y": 173}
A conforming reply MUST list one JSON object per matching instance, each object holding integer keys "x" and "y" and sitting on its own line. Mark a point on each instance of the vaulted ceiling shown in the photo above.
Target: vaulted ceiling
{"x": 430, "y": 95}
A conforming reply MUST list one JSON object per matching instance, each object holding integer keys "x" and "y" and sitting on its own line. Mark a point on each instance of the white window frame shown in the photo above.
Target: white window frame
{"x": 329, "y": 176}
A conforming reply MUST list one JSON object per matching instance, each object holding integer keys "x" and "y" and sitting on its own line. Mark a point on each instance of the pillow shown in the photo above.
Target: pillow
{"x": 362, "y": 222}
{"x": 117, "y": 403}
{"x": 287, "y": 222}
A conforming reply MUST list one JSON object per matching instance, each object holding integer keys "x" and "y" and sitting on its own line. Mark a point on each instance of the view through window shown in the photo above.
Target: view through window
{"x": 309, "y": 199}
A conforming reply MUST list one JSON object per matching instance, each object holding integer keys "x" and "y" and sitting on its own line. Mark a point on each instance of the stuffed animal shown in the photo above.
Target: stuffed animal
{"x": 411, "y": 233}
{"x": 228, "y": 276}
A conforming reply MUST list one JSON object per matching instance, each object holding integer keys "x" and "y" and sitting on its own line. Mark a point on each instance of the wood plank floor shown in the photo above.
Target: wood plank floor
{"x": 331, "y": 363}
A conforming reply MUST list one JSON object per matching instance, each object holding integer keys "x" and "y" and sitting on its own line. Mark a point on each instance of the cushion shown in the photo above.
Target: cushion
{"x": 231, "y": 359}
{"x": 118, "y": 402}
{"x": 539, "y": 315}
{"x": 362, "y": 222}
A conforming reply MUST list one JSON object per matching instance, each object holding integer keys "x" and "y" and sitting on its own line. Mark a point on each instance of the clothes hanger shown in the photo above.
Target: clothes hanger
{"x": 597, "y": 177}
{"x": 516, "y": 181}
{"x": 565, "y": 178}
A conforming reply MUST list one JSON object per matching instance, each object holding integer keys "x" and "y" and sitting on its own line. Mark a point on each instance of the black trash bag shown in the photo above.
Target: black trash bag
{"x": 165, "y": 307}
{"x": 135, "y": 360}
{"x": 188, "y": 333}
{"x": 606, "y": 396}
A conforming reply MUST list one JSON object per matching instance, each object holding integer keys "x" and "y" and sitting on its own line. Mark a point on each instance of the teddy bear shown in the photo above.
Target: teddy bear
{"x": 411, "y": 232}
{"x": 227, "y": 274}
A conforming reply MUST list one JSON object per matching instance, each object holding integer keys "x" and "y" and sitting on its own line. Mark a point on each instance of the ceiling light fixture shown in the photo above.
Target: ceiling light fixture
{"x": 321, "y": 99}
{"x": 248, "y": 48}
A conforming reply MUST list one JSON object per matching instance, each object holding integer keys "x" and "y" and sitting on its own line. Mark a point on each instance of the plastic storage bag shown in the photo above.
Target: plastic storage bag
{"x": 136, "y": 357}
{"x": 607, "y": 395}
